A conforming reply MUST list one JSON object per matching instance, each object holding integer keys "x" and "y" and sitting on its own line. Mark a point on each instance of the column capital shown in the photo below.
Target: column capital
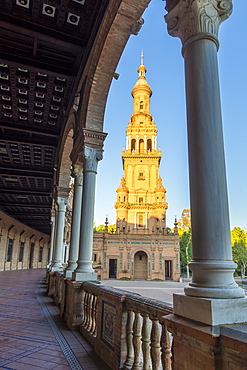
{"x": 62, "y": 204}
{"x": 77, "y": 173}
{"x": 194, "y": 19}
{"x": 91, "y": 157}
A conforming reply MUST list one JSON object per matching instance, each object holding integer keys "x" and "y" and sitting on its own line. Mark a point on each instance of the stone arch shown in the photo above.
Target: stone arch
{"x": 117, "y": 26}
{"x": 149, "y": 144}
{"x": 140, "y": 265}
{"x": 64, "y": 165}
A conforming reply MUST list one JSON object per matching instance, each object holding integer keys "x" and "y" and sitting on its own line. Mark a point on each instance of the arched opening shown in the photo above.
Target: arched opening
{"x": 149, "y": 144}
{"x": 133, "y": 144}
{"x": 141, "y": 105}
{"x": 141, "y": 146}
{"x": 140, "y": 266}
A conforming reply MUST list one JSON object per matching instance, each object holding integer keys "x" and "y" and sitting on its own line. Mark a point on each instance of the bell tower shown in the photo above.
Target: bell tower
{"x": 141, "y": 198}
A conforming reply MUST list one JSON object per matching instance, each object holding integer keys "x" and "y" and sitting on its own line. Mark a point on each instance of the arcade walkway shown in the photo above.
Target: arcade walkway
{"x": 32, "y": 335}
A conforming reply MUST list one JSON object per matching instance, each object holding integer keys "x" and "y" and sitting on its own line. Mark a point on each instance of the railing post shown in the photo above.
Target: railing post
{"x": 146, "y": 342}
{"x": 129, "y": 339}
{"x": 155, "y": 344}
{"x": 137, "y": 341}
{"x": 165, "y": 344}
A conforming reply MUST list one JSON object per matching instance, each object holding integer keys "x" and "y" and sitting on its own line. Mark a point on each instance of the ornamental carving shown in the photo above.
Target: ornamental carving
{"x": 77, "y": 174}
{"x": 194, "y": 17}
{"x": 91, "y": 157}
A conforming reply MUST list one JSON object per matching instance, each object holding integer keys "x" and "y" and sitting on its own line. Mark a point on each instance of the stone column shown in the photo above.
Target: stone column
{"x": 196, "y": 23}
{"x": 58, "y": 247}
{"x": 84, "y": 271}
{"x": 53, "y": 220}
{"x": 76, "y": 221}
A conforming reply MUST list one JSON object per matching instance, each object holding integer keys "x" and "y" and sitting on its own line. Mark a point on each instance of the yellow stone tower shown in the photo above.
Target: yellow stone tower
{"x": 141, "y": 198}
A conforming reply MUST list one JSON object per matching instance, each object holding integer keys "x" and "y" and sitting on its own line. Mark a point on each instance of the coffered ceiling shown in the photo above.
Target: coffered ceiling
{"x": 44, "y": 46}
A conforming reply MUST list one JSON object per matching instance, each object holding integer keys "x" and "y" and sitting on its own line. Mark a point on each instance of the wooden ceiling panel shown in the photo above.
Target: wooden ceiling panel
{"x": 43, "y": 45}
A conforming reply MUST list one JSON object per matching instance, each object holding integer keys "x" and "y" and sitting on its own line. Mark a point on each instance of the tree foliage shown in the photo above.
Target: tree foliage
{"x": 239, "y": 252}
{"x": 184, "y": 223}
{"x": 101, "y": 229}
{"x": 185, "y": 249}
{"x": 239, "y": 235}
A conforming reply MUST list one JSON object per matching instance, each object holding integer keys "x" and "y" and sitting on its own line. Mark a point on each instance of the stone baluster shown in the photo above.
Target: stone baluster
{"x": 94, "y": 313}
{"x": 155, "y": 344}
{"x": 165, "y": 344}
{"x": 129, "y": 339}
{"x": 137, "y": 341}
{"x": 146, "y": 342}
{"x": 90, "y": 313}
{"x": 86, "y": 295}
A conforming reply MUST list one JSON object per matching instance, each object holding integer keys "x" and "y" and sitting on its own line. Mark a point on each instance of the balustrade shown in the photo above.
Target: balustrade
{"x": 128, "y": 325}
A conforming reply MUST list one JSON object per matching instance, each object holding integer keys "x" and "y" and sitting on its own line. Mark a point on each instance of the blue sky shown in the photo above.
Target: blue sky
{"x": 165, "y": 75}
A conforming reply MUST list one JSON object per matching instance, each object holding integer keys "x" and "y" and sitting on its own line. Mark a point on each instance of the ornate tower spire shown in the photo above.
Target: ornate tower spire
{"x": 141, "y": 201}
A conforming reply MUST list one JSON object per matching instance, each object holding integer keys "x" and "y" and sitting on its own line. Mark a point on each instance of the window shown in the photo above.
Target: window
{"x": 141, "y": 105}
{"x": 95, "y": 257}
{"x": 140, "y": 200}
{"x": 21, "y": 252}
{"x": 149, "y": 144}
{"x": 133, "y": 144}
{"x": 40, "y": 254}
{"x": 140, "y": 221}
{"x": 141, "y": 176}
{"x": 10, "y": 249}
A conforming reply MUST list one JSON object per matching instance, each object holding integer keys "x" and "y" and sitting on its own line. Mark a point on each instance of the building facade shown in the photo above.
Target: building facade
{"x": 141, "y": 247}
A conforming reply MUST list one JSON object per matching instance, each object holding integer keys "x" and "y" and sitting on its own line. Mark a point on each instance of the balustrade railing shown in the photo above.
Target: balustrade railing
{"x": 144, "y": 338}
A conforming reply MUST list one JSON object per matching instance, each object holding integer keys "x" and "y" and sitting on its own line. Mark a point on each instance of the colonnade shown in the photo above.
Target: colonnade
{"x": 81, "y": 242}
{"x": 213, "y": 288}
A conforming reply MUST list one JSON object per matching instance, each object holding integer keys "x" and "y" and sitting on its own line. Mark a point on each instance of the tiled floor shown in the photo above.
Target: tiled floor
{"x": 32, "y": 335}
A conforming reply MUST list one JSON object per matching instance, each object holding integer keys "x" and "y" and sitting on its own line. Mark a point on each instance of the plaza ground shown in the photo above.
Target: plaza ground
{"x": 161, "y": 290}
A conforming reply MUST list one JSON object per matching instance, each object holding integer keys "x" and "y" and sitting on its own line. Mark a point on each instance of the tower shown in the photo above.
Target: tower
{"x": 141, "y": 198}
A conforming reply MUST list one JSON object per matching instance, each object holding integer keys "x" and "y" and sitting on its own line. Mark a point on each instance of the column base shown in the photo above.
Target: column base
{"x": 211, "y": 311}
{"x": 84, "y": 276}
{"x": 68, "y": 273}
{"x": 56, "y": 269}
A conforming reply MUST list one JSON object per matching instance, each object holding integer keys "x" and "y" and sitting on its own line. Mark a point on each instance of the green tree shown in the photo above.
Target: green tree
{"x": 239, "y": 253}
{"x": 186, "y": 250}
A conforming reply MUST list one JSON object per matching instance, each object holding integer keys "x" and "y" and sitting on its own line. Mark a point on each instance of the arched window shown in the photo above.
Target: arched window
{"x": 141, "y": 105}
{"x": 149, "y": 144}
{"x": 141, "y": 146}
{"x": 133, "y": 144}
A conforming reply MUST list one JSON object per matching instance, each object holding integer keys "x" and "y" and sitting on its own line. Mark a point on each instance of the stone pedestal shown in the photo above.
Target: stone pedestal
{"x": 211, "y": 311}
{"x": 73, "y": 310}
